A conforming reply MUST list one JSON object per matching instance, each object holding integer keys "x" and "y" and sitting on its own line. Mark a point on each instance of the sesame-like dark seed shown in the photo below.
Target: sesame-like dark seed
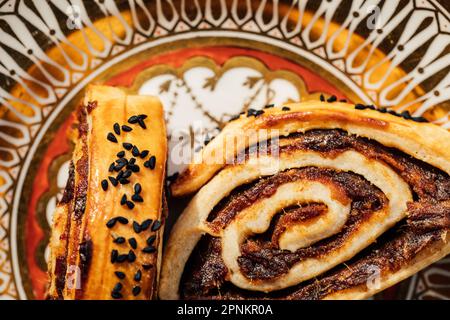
{"x": 131, "y": 256}
{"x": 360, "y": 106}
{"x": 117, "y": 287}
{"x": 144, "y": 154}
{"x": 126, "y": 128}
{"x": 207, "y": 140}
{"x": 122, "y": 258}
{"x": 322, "y": 98}
{"x": 152, "y": 162}
{"x": 114, "y": 254}
{"x": 124, "y": 181}
{"x": 113, "y": 181}
{"x": 127, "y": 146}
{"x": 122, "y": 161}
{"x": 147, "y": 266}
{"x": 116, "y": 128}
{"x": 121, "y": 154}
{"x": 104, "y": 184}
{"x": 133, "y": 243}
{"x": 136, "y": 290}
{"x": 156, "y": 225}
{"x": 133, "y": 119}
{"x": 119, "y": 175}
{"x": 130, "y": 205}
{"x": 142, "y": 124}
{"x": 136, "y": 227}
{"x": 343, "y": 100}
{"x": 371, "y": 107}
{"x": 135, "y": 168}
{"x": 235, "y": 117}
{"x": 393, "y": 113}
{"x": 419, "y": 119}
{"x": 250, "y": 112}
{"x": 119, "y": 240}
{"x": 122, "y": 220}
{"x": 137, "y": 188}
{"x": 120, "y": 275}
{"x": 111, "y": 137}
{"x": 132, "y": 161}
{"x": 259, "y": 112}
{"x": 137, "y": 198}
{"x": 142, "y": 116}
{"x": 382, "y": 110}
{"x": 116, "y": 295}
{"x": 151, "y": 240}
{"x": 173, "y": 177}
{"x": 135, "y": 151}
{"x": 138, "y": 276}
{"x": 127, "y": 174}
{"x": 332, "y": 99}
{"x": 285, "y": 109}
{"x": 123, "y": 200}
{"x": 146, "y": 224}
{"x": 406, "y": 115}
{"x": 149, "y": 249}
{"x": 111, "y": 223}
{"x": 268, "y": 106}
{"x": 111, "y": 167}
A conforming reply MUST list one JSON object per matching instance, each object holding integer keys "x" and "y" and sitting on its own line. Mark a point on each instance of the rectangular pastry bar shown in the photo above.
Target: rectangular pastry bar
{"x": 107, "y": 229}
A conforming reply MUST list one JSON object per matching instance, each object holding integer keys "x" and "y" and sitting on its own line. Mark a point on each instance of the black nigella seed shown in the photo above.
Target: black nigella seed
{"x": 116, "y": 295}
{"x": 268, "y": 106}
{"x": 127, "y": 174}
{"x": 123, "y": 200}
{"x": 113, "y": 181}
{"x": 142, "y": 116}
{"x": 285, "y": 109}
{"x": 122, "y": 258}
{"x": 156, "y": 225}
{"x": 118, "y": 287}
{"x": 133, "y": 243}
{"x": 126, "y": 128}
{"x": 137, "y": 188}
{"x": 111, "y": 167}
{"x": 122, "y": 220}
{"x": 393, "y": 113}
{"x": 132, "y": 161}
{"x": 360, "y": 106}
{"x": 152, "y": 162}
{"x": 371, "y": 107}
{"x": 119, "y": 240}
{"x": 235, "y": 117}
{"x": 121, "y": 154}
{"x": 137, "y": 198}
{"x": 419, "y": 119}
{"x": 322, "y": 98}
{"x": 343, "y": 100}
{"x": 142, "y": 124}
{"x": 130, "y": 205}
{"x": 134, "y": 168}
{"x": 122, "y": 161}
{"x": 136, "y": 227}
{"x": 405, "y": 114}
{"x": 135, "y": 151}
{"x": 138, "y": 276}
{"x": 111, "y": 137}
{"x": 251, "y": 112}
{"x": 332, "y": 99}
{"x": 119, "y": 175}
{"x": 146, "y": 224}
{"x": 131, "y": 256}
{"x": 127, "y": 146}
{"x": 259, "y": 112}
{"x": 104, "y": 184}
{"x": 144, "y": 154}
{"x": 133, "y": 119}
{"x": 124, "y": 181}
{"x": 120, "y": 275}
{"x": 382, "y": 110}
{"x": 136, "y": 290}
{"x": 151, "y": 240}
{"x": 149, "y": 249}
{"x": 114, "y": 255}
{"x": 207, "y": 140}
{"x": 116, "y": 128}
{"x": 111, "y": 223}
{"x": 147, "y": 266}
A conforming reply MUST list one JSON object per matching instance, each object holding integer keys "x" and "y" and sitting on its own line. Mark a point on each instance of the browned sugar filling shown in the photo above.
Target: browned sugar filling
{"x": 205, "y": 274}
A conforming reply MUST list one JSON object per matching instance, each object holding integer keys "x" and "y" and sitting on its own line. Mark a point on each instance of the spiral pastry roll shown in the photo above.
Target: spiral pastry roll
{"x": 107, "y": 228}
{"x": 313, "y": 200}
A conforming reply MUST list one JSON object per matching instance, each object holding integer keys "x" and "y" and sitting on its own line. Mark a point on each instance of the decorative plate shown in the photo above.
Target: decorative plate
{"x": 206, "y": 60}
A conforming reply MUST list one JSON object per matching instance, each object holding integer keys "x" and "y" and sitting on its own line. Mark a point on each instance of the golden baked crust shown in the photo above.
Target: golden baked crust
{"x": 400, "y": 167}
{"x": 85, "y": 225}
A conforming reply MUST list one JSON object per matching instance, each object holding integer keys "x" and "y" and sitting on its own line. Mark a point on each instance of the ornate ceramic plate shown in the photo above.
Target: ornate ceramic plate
{"x": 206, "y": 60}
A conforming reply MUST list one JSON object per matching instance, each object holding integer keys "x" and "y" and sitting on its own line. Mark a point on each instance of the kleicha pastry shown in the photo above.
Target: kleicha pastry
{"x": 107, "y": 229}
{"x": 314, "y": 200}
